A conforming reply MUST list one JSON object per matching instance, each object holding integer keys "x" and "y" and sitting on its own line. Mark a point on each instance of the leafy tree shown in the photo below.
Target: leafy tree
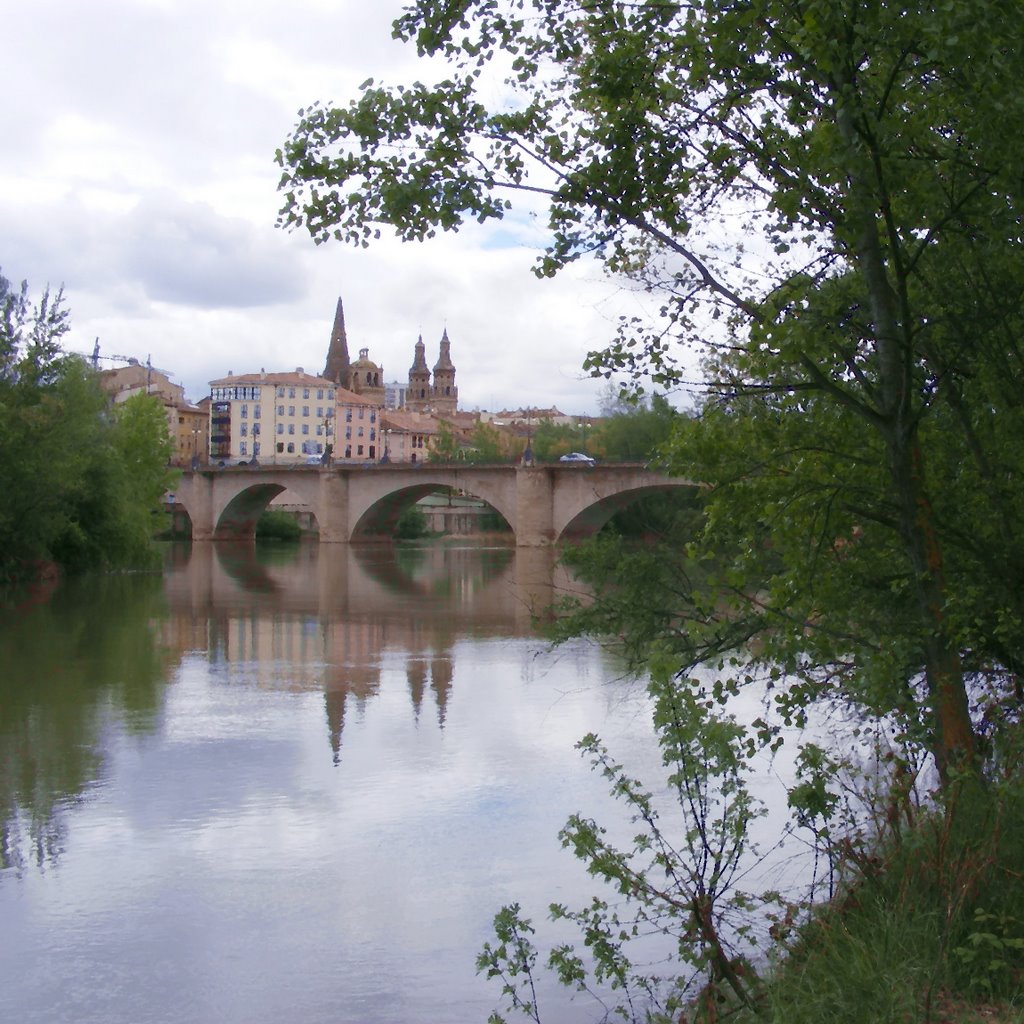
{"x": 550, "y": 440}
{"x": 445, "y": 446}
{"x": 845, "y": 149}
{"x": 82, "y": 482}
{"x": 485, "y": 444}
{"x": 829, "y": 198}
{"x": 636, "y": 434}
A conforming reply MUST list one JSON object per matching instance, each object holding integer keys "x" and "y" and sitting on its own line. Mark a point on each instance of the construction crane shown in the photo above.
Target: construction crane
{"x": 130, "y": 360}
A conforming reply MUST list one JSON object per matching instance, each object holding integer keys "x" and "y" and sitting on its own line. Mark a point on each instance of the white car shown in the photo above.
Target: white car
{"x": 579, "y": 457}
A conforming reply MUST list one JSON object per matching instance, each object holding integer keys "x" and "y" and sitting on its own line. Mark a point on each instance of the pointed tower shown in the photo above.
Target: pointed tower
{"x": 445, "y": 393}
{"x": 338, "y": 367}
{"x": 418, "y": 398}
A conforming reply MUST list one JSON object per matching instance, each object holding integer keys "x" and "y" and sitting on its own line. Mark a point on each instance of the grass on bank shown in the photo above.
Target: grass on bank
{"x": 929, "y": 928}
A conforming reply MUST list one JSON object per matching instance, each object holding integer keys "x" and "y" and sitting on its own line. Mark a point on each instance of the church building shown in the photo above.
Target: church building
{"x": 433, "y": 393}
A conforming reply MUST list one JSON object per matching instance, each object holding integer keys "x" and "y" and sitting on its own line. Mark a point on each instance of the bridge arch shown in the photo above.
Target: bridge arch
{"x": 593, "y": 516}
{"x": 383, "y": 497}
{"x": 383, "y": 515}
{"x": 226, "y": 504}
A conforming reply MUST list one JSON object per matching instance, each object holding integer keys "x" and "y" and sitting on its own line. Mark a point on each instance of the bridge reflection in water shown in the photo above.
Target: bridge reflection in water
{"x": 333, "y": 613}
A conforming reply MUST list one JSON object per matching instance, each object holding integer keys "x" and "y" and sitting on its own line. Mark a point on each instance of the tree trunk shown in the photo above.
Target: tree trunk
{"x": 897, "y": 408}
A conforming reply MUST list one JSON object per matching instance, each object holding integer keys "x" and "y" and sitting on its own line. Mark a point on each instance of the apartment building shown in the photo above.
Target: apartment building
{"x": 290, "y": 417}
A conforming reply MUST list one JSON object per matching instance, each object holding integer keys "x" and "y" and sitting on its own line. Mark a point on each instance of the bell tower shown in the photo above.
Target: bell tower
{"x": 445, "y": 394}
{"x": 418, "y": 398}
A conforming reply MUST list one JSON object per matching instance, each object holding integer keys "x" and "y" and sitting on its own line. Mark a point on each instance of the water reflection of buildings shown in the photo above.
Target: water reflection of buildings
{"x": 326, "y": 617}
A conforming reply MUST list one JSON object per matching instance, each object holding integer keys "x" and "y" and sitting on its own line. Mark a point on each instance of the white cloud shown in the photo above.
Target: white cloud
{"x": 138, "y": 171}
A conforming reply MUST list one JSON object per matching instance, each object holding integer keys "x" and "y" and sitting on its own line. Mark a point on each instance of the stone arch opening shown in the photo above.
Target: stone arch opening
{"x": 180, "y": 525}
{"x": 594, "y": 517}
{"x": 240, "y": 515}
{"x": 454, "y": 512}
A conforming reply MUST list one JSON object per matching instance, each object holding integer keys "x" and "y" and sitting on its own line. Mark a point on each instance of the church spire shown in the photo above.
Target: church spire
{"x": 444, "y": 360}
{"x": 419, "y": 362}
{"x": 338, "y": 364}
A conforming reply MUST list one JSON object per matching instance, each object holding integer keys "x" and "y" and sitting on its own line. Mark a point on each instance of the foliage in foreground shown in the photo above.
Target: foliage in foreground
{"x": 923, "y": 919}
{"x": 83, "y": 482}
{"x": 860, "y": 441}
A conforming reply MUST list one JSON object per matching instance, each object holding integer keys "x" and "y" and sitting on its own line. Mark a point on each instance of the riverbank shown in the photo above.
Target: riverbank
{"x": 927, "y": 926}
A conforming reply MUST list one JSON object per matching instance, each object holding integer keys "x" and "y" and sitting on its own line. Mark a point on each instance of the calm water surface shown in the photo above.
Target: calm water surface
{"x": 290, "y": 784}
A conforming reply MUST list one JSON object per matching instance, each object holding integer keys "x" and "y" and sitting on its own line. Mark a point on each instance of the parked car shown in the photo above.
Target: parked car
{"x": 578, "y": 457}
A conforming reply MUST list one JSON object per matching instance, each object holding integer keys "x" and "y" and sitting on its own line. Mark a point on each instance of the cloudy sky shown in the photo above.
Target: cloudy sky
{"x": 137, "y": 171}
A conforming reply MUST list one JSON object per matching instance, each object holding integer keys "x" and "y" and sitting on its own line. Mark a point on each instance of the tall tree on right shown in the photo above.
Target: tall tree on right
{"x": 830, "y": 197}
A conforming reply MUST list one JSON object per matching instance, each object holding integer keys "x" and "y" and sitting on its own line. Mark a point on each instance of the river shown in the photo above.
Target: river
{"x": 291, "y": 783}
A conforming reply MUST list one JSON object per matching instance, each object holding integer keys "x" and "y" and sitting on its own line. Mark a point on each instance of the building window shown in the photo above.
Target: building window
{"x": 348, "y": 433}
{"x": 319, "y": 394}
{"x": 362, "y": 412}
{"x": 280, "y": 447}
{"x": 245, "y": 412}
{"x": 305, "y": 392}
{"x": 348, "y": 451}
{"x": 291, "y": 392}
{"x": 280, "y": 428}
{"x": 244, "y": 430}
{"x": 319, "y": 412}
{"x": 243, "y": 448}
{"x": 305, "y": 428}
{"x": 373, "y": 451}
{"x": 291, "y": 410}
{"x": 255, "y": 412}
{"x": 330, "y": 394}
{"x": 360, "y": 432}
{"x": 291, "y": 447}
{"x": 255, "y": 447}
{"x": 255, "y": 429}
{"x": 280, "y": 392}
{"x": 359, "y": 449}
{"x": 373, "y": 416}
{"x": 305, "y": 410}
{"x": 280, "y": 410}
{"x": 373, "y": 434}
{"x": 329, "y": 430}
{"x": 291, "y": 428}
{"x": 319, "y": 430}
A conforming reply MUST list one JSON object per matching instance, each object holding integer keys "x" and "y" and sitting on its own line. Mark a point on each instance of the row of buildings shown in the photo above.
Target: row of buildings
{"x": 347, "y": 413}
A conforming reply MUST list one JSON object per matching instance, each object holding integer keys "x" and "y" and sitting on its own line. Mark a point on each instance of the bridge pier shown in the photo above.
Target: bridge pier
{"x": 201, "y": 506}
{"x": 332, "y": 510}
{"x": 535, "y": 507}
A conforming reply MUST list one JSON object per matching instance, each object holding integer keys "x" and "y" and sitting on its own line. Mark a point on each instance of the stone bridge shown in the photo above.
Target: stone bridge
{"x": 542, "y": 504}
